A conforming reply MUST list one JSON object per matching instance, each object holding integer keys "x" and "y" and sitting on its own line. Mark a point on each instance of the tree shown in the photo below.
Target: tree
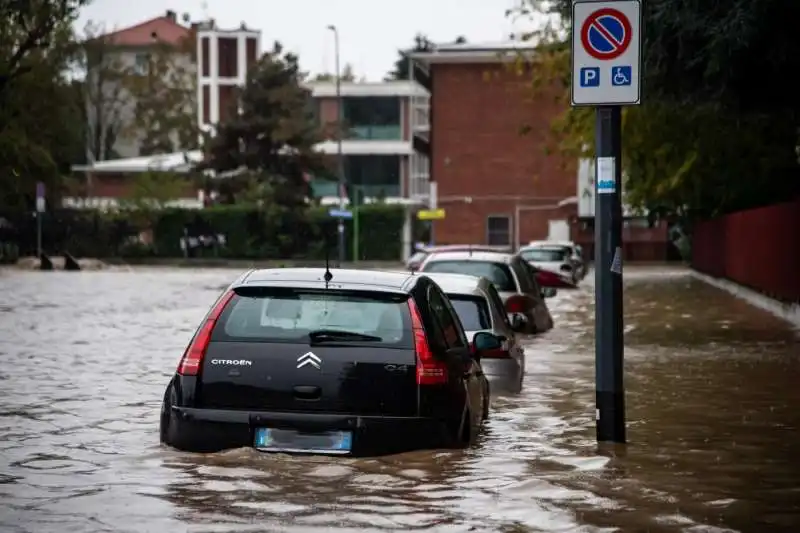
{"x": 421, "y": 44}
{"x": 348, "y": 75}
{"x": 103, "y": 93}
{"x": 272, "y": 139}
{"x": 42, "y": 131}
{"x": 28, "y": 26}
{"x": 707, "y": 140}
{"x": 166, "y": 97}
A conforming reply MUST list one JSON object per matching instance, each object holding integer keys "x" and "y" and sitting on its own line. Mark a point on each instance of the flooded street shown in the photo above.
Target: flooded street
{"x": 713, "y": 409}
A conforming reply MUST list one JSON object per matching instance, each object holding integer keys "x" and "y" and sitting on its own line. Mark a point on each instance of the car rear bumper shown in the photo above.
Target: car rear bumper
{"x": 206, "y": 430}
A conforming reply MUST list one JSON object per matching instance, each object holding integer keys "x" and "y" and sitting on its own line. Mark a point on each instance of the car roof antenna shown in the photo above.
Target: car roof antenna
{"x": 328, "y": 276}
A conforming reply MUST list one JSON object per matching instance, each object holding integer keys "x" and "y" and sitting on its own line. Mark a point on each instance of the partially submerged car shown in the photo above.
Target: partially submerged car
{"x": 511, "y": 276}
{"x": 308, "y": 360}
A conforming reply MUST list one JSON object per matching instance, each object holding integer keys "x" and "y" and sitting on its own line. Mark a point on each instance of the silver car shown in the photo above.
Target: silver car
{"x": 511, "y": 276}
{"x": 480, "y": 309}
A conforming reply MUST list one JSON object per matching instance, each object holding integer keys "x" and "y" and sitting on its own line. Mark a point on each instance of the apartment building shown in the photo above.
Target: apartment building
{"x": 385, "y": 139}
{"x": 212, "y": 62}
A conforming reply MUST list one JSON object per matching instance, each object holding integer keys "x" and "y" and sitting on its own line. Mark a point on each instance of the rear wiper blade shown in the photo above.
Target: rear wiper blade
{"x": 322, "y": 335}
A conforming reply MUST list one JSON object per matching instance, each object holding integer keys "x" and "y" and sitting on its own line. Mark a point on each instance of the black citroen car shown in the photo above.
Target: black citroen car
{"x": 310, "y": 360}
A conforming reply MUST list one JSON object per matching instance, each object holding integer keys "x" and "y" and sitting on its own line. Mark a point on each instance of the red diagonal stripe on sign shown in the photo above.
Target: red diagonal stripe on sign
{"x": 607, "y": 34}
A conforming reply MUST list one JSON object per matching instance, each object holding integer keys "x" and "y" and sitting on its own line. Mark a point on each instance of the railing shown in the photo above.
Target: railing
{"x": 757, "y": 248}
{"x": 376, "y": 133}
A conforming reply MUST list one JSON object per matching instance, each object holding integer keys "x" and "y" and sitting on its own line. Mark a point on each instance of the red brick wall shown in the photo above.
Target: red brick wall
{"x": 757, "y": 248}
{"x": 638, "y": 243}
{"x": 118, "y": 186}
{"x": 478, "y": 113}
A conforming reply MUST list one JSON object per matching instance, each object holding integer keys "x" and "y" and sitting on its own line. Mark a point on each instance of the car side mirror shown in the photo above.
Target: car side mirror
{"x": 548, "y": 292}
{"x": 484, "y": 341}
{"x": 517, "y": 321}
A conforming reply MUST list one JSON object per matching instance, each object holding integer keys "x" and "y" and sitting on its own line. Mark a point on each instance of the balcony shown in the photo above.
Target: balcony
{"x": 376, "y": 133}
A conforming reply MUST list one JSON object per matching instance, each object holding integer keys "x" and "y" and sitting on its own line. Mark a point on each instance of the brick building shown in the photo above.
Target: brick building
{"x": 497, "y": 185}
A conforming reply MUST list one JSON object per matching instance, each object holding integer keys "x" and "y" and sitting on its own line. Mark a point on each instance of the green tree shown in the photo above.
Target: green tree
{"x": 707, "y": 139}
{"x": 166, "y": 99}
{"x": 421, "y": 44}
{"x": 103, "y": 95}
{"x": 41, "y": 130}
{"x": 271, "y": 139}
{"x": 348, "y": 74}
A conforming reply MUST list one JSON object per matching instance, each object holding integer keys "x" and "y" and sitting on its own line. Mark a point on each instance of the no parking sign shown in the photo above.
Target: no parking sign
{"x": 606, "y": 52}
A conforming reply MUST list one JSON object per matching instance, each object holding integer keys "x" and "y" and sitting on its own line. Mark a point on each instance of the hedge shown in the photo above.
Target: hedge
{"x": 249, "y": 233}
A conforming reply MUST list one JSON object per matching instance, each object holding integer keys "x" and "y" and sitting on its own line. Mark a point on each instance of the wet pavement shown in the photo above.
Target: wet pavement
{"x": 714, "y": 413}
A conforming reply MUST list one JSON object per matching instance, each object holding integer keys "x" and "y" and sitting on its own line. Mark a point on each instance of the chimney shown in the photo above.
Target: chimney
{"x": 172, "y": 16}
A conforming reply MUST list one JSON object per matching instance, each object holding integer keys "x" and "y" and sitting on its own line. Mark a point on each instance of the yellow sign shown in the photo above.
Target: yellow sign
{"x": 431, "y": 214}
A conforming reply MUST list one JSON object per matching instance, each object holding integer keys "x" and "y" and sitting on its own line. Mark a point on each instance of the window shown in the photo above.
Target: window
{"x": 498, "y": 230}
{"x": 545, "y": 255}
{"x": 373, "y": 117}
{"x": 497, "y": 273}
{"x": 289, "y": 316}
{"x": 472, "y": 311}
{"x": 374, "y": 175}
{"x": 453, "y": 335}
{"x": 142, "y": 64}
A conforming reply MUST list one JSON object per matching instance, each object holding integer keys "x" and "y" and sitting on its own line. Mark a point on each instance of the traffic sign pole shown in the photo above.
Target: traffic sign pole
{"x": 609, "y": 340}
{"x": 606, "y": 73}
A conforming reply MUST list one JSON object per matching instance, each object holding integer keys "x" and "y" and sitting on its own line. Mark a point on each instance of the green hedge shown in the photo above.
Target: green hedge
{"x": 250, "y": 233}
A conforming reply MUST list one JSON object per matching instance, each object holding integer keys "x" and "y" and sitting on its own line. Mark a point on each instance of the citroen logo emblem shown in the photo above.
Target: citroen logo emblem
{"x": 309, "y": 358}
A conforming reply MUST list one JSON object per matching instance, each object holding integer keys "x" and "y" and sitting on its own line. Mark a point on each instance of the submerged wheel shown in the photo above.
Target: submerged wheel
{"x": 486, "y": 402}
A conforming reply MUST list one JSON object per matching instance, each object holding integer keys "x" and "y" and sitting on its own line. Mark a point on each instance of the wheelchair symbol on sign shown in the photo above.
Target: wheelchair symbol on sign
{"x": 621, "y": 76}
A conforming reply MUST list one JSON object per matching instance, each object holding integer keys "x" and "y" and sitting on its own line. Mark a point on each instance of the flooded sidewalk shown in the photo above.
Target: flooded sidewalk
{"x": 713, "y": 390}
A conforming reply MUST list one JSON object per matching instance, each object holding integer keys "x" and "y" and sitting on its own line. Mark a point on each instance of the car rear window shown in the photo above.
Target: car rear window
{"x": 544, "y": 254}
{"x": 472, "y": 311}
{"x": 498, "y": 273}
{"x": 289, "y": 316}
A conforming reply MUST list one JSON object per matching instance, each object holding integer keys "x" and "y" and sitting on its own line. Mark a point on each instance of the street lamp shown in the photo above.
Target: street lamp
{"x": 340, "y": 133}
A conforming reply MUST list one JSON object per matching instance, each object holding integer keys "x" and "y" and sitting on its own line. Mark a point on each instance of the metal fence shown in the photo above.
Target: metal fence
{"x": 758, "y": 248}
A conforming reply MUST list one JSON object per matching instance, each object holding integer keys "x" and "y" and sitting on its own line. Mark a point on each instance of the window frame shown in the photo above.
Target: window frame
{"x": 490, "y": 232}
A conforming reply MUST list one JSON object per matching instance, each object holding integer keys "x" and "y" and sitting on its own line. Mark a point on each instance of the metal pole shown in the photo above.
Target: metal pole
{"x": 339, "y": 155}
{"x": 356, "y": 207}
{"x": 609, "y": 387}
{"x": 39, "y": 234}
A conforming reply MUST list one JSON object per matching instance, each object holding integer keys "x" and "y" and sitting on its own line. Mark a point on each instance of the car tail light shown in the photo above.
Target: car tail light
{"x": 429, "y": 370}
{"x": 548, "y": 279}
{"x": 192, "y": 358}
{"x": 516, "y": 304}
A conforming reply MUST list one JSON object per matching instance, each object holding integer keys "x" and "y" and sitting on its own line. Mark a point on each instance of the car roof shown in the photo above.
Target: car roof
{"x": 310, "y": 277}
{"x": 494, "y": 257}
{"x": 536, "y": 244}
{"x": 548, "y": 246}
{"x": 459, "y": 283}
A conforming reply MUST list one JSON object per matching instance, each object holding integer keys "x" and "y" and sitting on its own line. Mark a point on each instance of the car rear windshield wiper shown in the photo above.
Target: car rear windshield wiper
{"x": 335, "y": 335}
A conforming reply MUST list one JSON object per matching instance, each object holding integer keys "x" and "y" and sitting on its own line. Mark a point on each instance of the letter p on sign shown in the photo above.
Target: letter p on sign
{"x": 590, "y": 77}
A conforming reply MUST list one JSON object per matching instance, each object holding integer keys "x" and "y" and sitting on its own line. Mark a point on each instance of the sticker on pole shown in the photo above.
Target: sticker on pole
{"x": 606, "y": 175}
{"x": 606, "y": 52}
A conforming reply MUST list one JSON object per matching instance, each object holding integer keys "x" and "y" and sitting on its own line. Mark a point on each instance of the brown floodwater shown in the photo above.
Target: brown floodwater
{"x": 713, "y": 394}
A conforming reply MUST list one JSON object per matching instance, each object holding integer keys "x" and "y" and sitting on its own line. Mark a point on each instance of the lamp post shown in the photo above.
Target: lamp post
{"x": 340, "y": 133}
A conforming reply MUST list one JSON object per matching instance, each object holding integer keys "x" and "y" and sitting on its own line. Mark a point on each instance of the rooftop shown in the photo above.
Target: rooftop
{"x": 490, "y": 52}
{"x": 402, "y": 88}
{"x": 457, "y": 283}
{"x": 163, "y": 29}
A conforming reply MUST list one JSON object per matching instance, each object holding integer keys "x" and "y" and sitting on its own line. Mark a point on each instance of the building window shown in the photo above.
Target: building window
{"x": 142, "y": 64}
{"x": 373, "y": 118}
{"x": 375, "y": 176}
{"x": 498, "y": 230}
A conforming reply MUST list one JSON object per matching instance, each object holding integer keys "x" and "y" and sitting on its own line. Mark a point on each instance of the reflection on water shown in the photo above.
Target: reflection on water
{"x": 84, "y": 359}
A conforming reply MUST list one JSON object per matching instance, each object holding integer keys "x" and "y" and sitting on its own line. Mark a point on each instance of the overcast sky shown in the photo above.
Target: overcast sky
{"x": 370, "y": 31}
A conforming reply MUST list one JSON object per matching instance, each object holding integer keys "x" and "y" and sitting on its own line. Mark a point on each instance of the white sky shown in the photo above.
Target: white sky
{"x": 370, "y": 31}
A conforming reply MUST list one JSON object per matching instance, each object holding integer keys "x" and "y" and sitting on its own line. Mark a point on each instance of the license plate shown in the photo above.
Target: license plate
{"x": 290, "y": 441}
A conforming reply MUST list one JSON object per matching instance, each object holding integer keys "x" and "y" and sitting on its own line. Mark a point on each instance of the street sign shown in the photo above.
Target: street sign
{"x": 338, "y": 213}
{"x": 606, "y": 52}
{"x": 431, "y": 214}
